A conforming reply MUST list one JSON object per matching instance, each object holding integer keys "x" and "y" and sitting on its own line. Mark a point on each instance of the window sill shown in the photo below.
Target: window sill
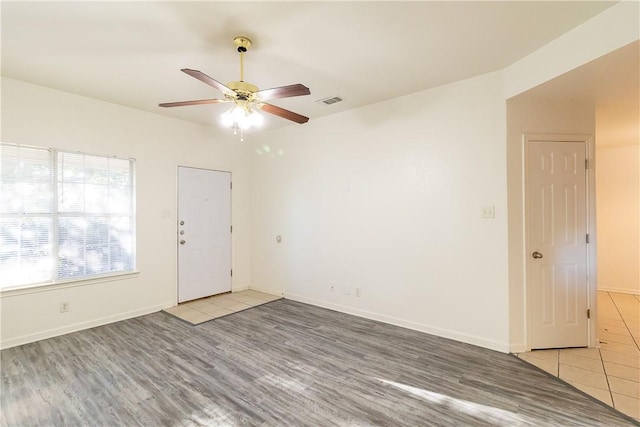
{"x": 72, "y": 283}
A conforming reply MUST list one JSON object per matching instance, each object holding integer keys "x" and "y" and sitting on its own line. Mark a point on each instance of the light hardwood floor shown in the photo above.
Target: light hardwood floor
{"x": 280, "y": 364}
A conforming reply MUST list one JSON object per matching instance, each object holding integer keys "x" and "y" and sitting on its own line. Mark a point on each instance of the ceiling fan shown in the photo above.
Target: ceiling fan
{"x": 247, "y": 98}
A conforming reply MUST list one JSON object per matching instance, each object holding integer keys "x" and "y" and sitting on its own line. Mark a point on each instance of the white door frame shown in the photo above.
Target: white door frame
{"x": 177, "y": 225}
{"x": 592, "y": 285}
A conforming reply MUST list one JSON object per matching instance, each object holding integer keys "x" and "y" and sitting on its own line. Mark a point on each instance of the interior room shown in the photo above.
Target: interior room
{"x": 376, "y": 259}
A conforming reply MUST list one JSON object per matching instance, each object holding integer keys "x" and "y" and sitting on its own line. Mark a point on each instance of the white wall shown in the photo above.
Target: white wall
{"x": 387, "y": 199}
{"x": 39, "y": 116}
{"x": 617, "y": 185}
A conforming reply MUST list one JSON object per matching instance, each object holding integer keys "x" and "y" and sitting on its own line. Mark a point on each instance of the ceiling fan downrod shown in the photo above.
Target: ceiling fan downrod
{"x": 243, "y": 44}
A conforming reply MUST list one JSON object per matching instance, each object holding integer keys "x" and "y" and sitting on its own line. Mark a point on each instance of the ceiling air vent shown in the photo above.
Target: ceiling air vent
{"x": 330, "y": 100}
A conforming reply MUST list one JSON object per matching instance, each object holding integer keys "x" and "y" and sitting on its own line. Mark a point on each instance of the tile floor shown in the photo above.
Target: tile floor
{"x": 205, "y": 309}
{"x": 610, "y": 373}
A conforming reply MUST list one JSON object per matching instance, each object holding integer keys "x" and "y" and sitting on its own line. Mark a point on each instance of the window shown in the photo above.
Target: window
{"x": 64, "y": 215}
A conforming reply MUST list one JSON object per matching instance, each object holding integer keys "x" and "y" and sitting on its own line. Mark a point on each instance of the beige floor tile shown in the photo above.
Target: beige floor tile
{"x": 633, "y": 330}
{"x": 238, "y": 306}
{"x": 253, "y": 292}
{"x": 621, "y": 371}
{"x": 268, "y": 297}
{"x": 176, "y": 310}
{"x": 223, "y": 297}
{"x": 620, "y": 348}
{"x": 194, "y": 316}
{"x": 581, "y": 362}
{"x": 542, "y": 354}
{"x": 607, "y": 308}
{"x": 583, "y": 376}
{"x": 621, "y": 358}
{"x": 626, "y": 387}
{"x": 622, "y": 330}
{"x": 604, "y": 322}
{"x": 196, "y": 304}
{"x": 209, "y": 299}
{"x": 241, "y": 297}
{"x": 254, "y": 301}
{"x": 592, "y": 353}
{"x": 216, "y": 311}
{"x": 627, "y": 405}
{"x": 223, "y": 302}
{"x": 598, "y": 393}
{"x": 617, "y": 338}
{"x": 548, "y": 365}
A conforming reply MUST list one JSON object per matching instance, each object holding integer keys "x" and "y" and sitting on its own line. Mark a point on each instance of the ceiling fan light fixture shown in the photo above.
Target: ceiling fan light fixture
{"x": 241, "y": 117}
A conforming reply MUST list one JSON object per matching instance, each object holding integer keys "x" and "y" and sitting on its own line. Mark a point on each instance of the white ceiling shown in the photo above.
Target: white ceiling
{"x": 130, "y": 53}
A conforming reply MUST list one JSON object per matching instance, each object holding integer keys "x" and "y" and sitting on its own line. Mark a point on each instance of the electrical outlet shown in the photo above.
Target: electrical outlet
{"x": 347, "y": 290}
{"x": 64, "y": 307}
{"x": 358, "y": 292}
{"x": 488, "y": 212}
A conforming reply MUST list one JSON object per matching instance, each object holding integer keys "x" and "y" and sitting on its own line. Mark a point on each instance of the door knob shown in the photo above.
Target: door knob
{"x": 182, "y": 242}
{"x": 536, "y": 255}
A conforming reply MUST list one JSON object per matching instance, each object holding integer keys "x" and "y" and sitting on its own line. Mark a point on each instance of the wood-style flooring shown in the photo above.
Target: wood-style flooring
{"x": 280, "y": 364}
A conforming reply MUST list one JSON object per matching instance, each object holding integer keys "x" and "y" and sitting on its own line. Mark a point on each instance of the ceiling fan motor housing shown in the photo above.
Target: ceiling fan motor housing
{"x": 243, "y": 43}
{"x": 246, "y": 91}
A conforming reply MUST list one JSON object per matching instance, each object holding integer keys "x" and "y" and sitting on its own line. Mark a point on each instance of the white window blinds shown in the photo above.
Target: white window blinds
{"x": 26, "y": 215}
{"x": 64, "y": 215}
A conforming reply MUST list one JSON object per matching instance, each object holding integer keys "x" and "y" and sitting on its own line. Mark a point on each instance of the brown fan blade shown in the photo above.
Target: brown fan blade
{"x": 208, "y": 80}
{"x": 283, "y": 92}
{"x": 195, "y": 102}
{"x": 285, "y": 114}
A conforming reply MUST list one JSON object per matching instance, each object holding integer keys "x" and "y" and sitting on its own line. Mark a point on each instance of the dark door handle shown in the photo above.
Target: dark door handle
{"x": 536, "y": 255}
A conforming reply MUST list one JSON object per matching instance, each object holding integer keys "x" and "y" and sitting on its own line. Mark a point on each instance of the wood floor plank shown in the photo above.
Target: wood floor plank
{"x": 279, "y": 364}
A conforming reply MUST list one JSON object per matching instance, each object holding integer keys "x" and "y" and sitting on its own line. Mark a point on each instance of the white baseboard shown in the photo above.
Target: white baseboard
{"x": 240, "y": 288}
{"x": 267, "y": 290}
{"x": 67, "y": 329}
{"x": 618, "y": 290}
{"x": 444, "y": 333}
{"x": 518, "y": 348}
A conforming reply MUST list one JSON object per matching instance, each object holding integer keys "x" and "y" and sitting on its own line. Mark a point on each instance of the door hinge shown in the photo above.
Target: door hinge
{"x": 586, "y": 163}
{"x": 588, "y": 313}
{"x": 587, "y": 239}
{"x": 231, "y": 185}
{"x": 232, "y": 272}
{"x": 232, "y": 228}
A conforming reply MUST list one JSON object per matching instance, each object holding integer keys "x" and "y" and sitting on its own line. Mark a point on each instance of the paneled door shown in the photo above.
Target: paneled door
{"x": 556, "y": 244}
{"x": 204, "y": 233}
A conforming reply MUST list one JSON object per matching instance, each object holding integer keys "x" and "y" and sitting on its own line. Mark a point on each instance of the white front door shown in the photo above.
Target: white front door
{"x": 204, "y": 233}
{"x": 556, "y": 230}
